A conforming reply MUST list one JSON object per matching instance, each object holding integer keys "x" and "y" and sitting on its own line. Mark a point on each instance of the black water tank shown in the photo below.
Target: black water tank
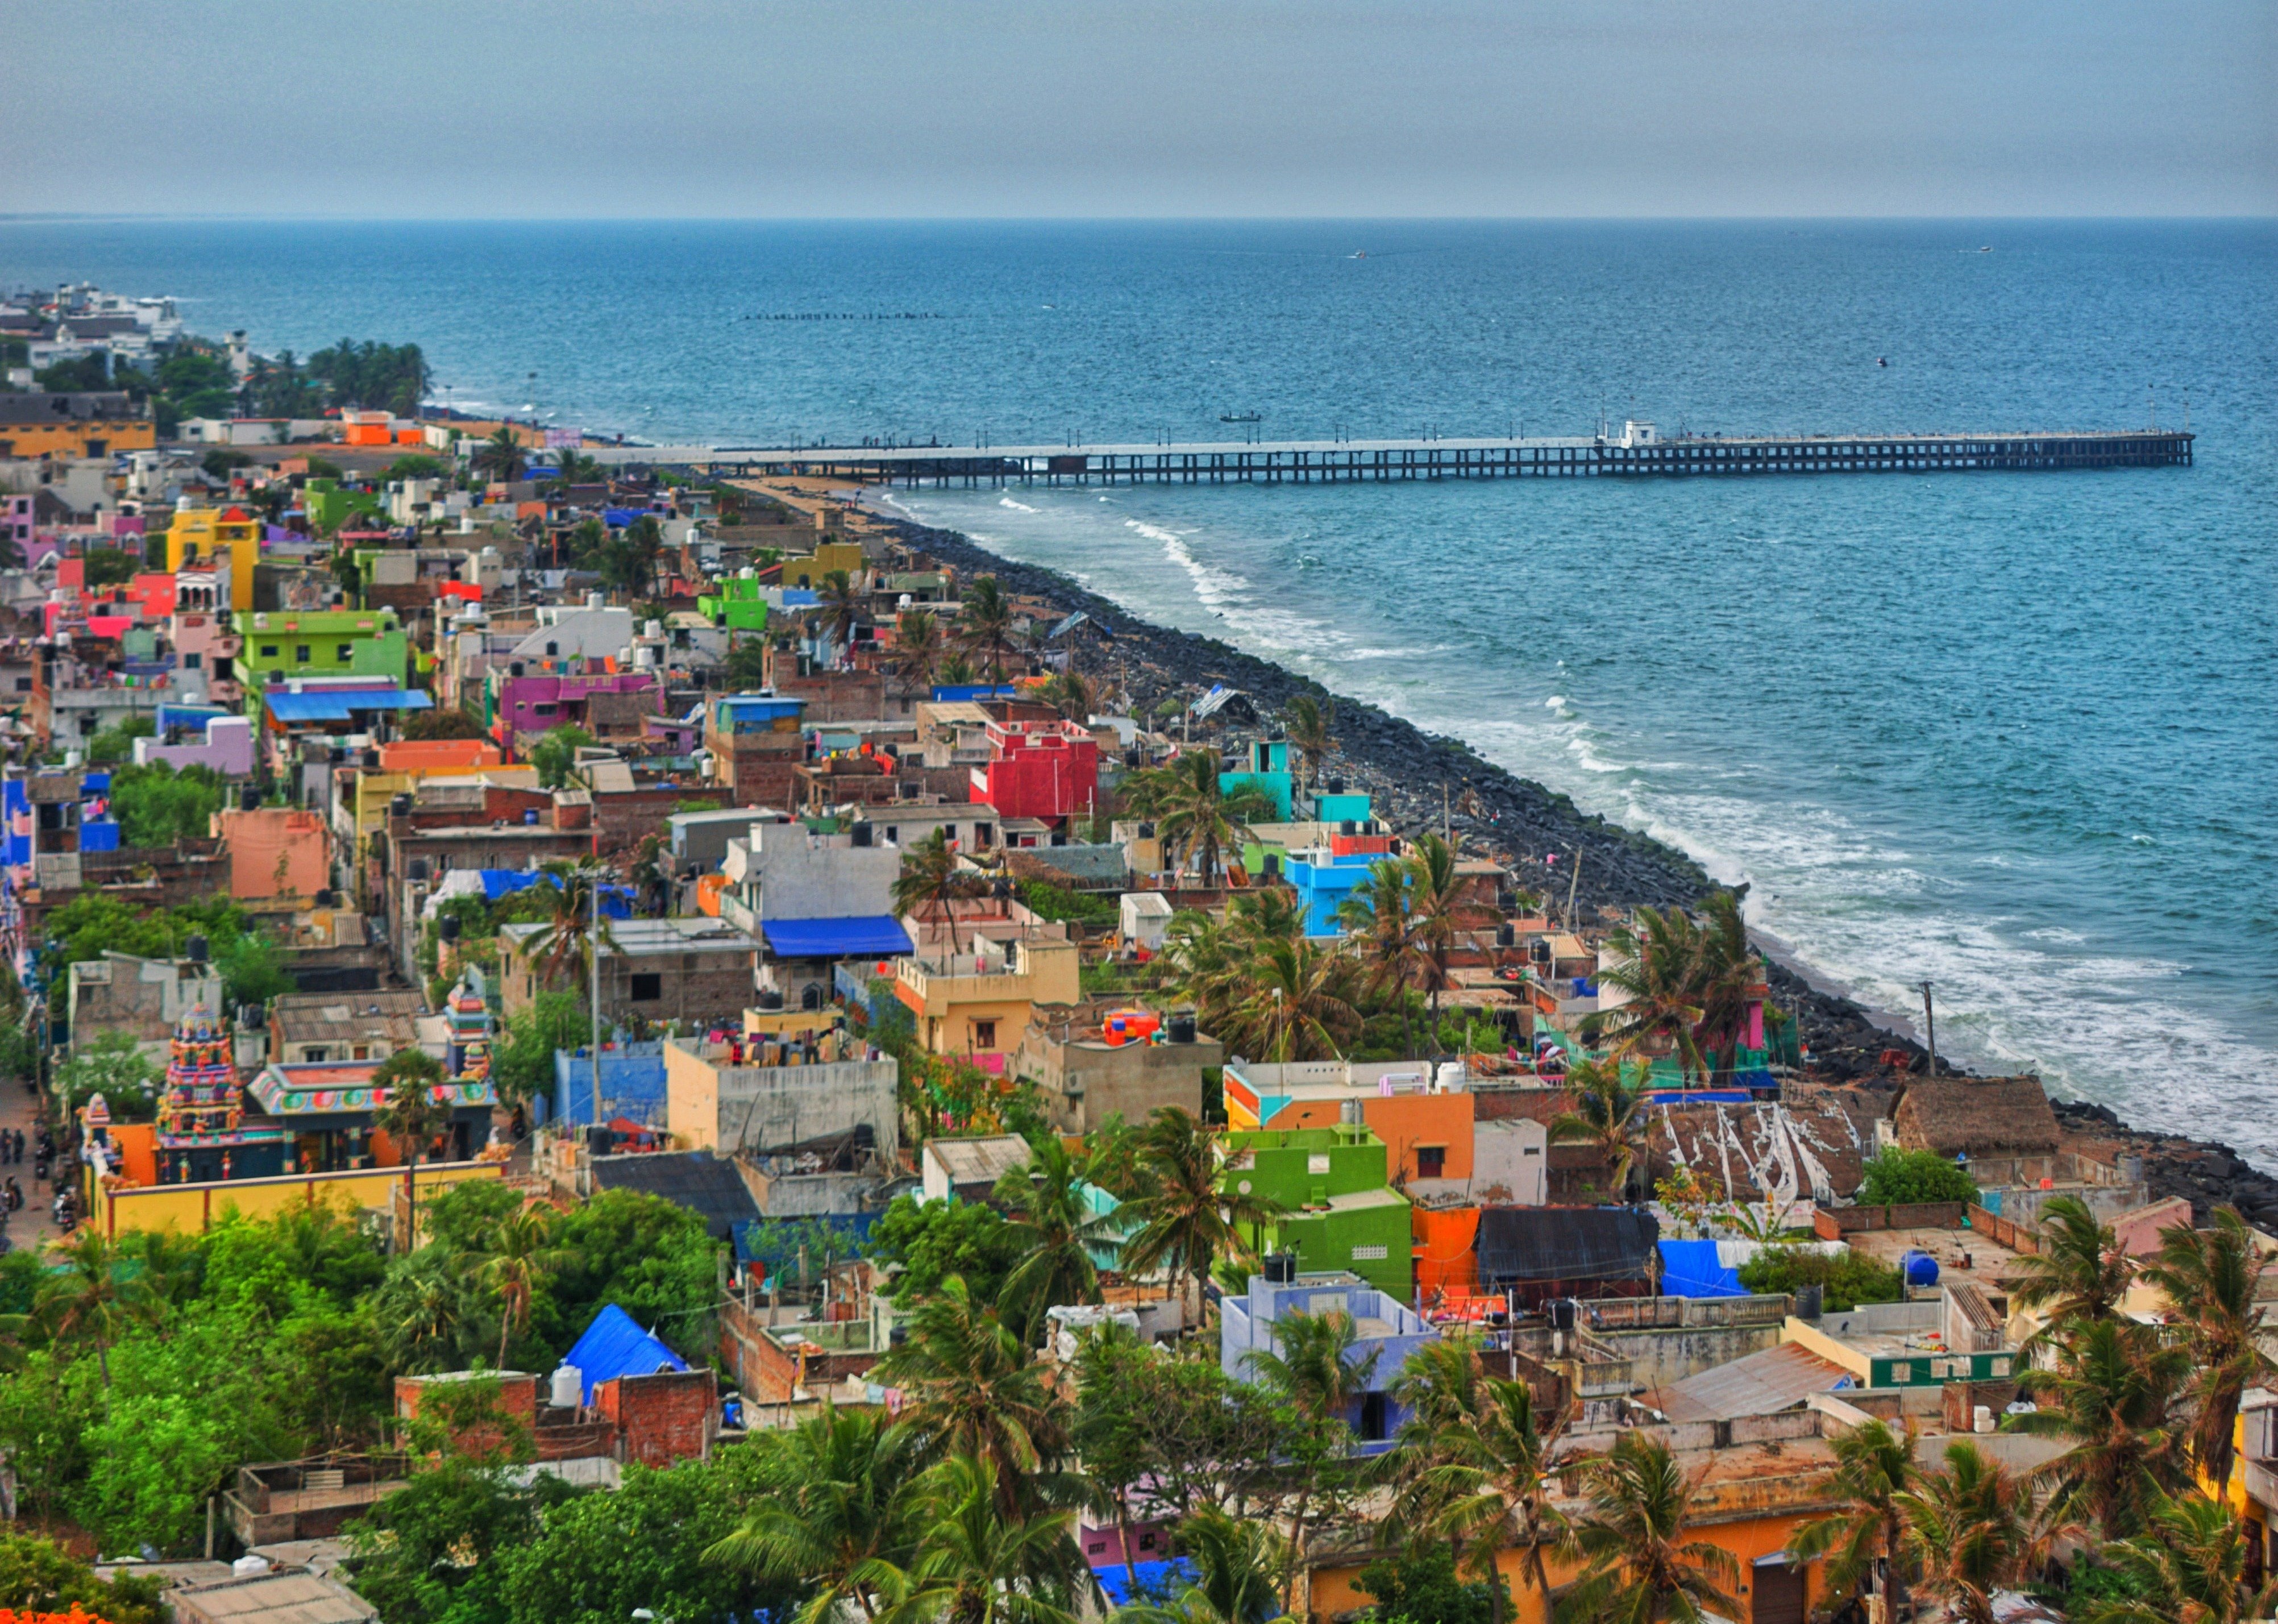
{"x": 1060, "y": 837}
{"x": 371, "y": 760}
{"x": 1181, "y": 1029}
{"x": 1273, "y": 865}
{"x": 599, "y": 1141}
{"x": 1563, "y": 1313}
{"x": 863, "y": 834}
{"x": 250, "y": 1016}
{"x": 1810, "y": 1301}
{"x": 1282, "y": 1268}
{"x": 514, "y": 669}
{"x": 399, "y": 805}
{"x": 324, "y": 899}
{"x": 1336, "y": 786}
{"x": 1347, "y": 828}
{"x": 1506, "y": 934}
{"x": 416, "y": 870}
{"x": 249, "y": 799}
{"x": 770, "y": 998}
{"x": 196, "y": 950}
{"x": 447, "y": 928}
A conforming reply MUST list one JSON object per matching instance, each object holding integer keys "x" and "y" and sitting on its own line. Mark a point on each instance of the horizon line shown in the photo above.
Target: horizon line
{"x": 102, "y": 217}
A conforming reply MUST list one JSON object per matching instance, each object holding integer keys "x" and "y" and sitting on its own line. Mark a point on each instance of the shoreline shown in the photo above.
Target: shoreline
{"x": 1516, "y": 820}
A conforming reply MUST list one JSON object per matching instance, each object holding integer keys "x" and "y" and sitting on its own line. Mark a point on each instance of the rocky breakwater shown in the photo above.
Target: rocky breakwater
{"x": 1417, "y": 778}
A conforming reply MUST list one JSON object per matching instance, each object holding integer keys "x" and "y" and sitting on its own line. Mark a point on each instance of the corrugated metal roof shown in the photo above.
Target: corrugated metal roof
{"x": 337, "y": 705}
{"x": 273, "y": 1598}
{"x": 691, "y": 1179}
{"x": 1760, "y": 1383}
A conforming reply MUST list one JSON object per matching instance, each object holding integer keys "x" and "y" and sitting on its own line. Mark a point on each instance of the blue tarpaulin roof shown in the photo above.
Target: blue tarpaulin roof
{"x": 1159, "y": 1582}
{"x": 617, "y": 900}
{"x": 1690, "y": 1268}
{"x": 338, "y": 704}
{"x": 614, "y": 1346}
{"x": 830, "y": 938}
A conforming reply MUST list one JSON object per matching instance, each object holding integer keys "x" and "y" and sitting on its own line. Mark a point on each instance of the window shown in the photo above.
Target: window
{"x": 300, "y": 654}
{"x": 544, "y": 710}
{"x": 223, "y": 667}
{"x": 314, "y": 1056}
{"x": 552, "y": 648}
{"x": 1316, "y": 1164}
{"x": 647, "y": 989}
{"x": 984, "y": 1034}
{"x": 981, "y": 834}
{"x": 1373, "y": 1420}
{"x": 193, "y": 662}
{"x": 1431, "y": 1160}
{"x": 268, "y": 651}
{"x": 23, "y": 685}
{"x": 1369, "y": 1254}
{"x": 96, "y": 447}
{"x": 344, "y": 653}
{"x": 363, "y": 1050}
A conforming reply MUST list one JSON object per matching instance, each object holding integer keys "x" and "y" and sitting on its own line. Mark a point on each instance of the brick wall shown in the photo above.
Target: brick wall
{"x": 662, "y": 1418}
{"x": 517, "y": 1398}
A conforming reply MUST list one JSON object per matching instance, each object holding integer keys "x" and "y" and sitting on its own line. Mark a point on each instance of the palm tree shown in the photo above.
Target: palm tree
{"x": 518, "y": 1252}
{"x": 1379, "y": 919}
{"x": 1436, "y": 900}
{"x": 87, "y": 1301}
{"x": 413, "y": 1116}
{"x": 1045, "y": 1202}
{"x": 2212, "y": 1278}
{"x": 2110, "y": 1392}
{"x": 980, "y": 1560}
{"x": 1296, "y": 1009}
{"x": 1309, "y": 722}
{"x": 1194, "y": 815}
{"x": 1873, "y": 1467}
{"x": 1609, "y": 1113}
{"x": 1240, "y": 1566}
{"x": 2079, "y": 1272}
{"x": 974, "y": 1389}
{"x": 1487, "y": 1489}
{"x": 1071, "y": 695}
{"x": 1683, "y": 983}
{"x": 1309, "y": 1365}
{"x": 918, "y": 649}
{"x": 842, "y": 607}
{"x": 501, "y": 456}
{"x": 931, "y": 883}
{"x": 2189, "y": 1564}
{"x": 1970, "y": 1527}
{"x": 564, "y": 945}
{"x": 1638, "y": 1565}
{"x": 171, "y": 1263}
{"x": 984, "y": 624}
{"x": 836, "y": 1514}
{"x": 1185, "y": 1221}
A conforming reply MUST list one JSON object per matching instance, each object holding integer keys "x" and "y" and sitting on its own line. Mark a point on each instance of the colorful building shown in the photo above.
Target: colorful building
{"x": 536, "y": 699}
{"x": 276, "y": 646}
{"x": 1423, "y": 1117}
{"x": 1387, "y": 1332}
{"x": 203, "y": 1135}
{"x": 1048, "y": 770}
{"x": 1268, "y": 770}
{"x": 738, "y": 603}
{"x": 274, "y": 852}
{"x": 199, "y": 537}
{"x": 78, "y": 426}
{"x": 1338, "y": 1210}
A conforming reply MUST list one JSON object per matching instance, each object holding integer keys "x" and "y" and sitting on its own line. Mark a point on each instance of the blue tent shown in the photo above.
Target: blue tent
{"x": 614, "y": 1346}
{"x": 617, "y": 900}
{"x": 870, "y": 935}
{"x": 1159, "y": 1582}
{"x": 1690, "y": 1268}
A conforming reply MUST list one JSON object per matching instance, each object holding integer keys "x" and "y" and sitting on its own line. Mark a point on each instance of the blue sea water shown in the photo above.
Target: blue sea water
{"x": 2010, "y": 734}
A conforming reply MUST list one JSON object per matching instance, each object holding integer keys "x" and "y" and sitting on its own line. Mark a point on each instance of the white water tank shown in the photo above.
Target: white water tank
{"x": 1452, "y": 1076}
{"x": 594, "y": 600}
{"x": 567, "y": 1390}
{"x": 248, "y": 1567}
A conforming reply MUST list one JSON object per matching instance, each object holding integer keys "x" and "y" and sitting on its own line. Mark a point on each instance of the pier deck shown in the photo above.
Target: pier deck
{"x": 1301, "y": 462}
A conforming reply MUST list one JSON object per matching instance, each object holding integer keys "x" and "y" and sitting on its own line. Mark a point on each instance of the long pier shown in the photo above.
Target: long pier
{"x": 1389, "y": 460}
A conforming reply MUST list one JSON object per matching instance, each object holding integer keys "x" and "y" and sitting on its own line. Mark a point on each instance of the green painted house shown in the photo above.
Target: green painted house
{"x": 331, "y": 507}
{"x": 1339, "y": 1210}
{"x": 739, "y": 603}
{"x": 281, "y": 645}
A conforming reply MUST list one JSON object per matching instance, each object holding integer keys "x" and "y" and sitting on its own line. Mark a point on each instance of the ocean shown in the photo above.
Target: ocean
{"x": 2011, "y": 734}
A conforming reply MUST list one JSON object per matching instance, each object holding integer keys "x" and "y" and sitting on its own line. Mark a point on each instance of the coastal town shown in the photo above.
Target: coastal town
{"x": 595, "y": 1038}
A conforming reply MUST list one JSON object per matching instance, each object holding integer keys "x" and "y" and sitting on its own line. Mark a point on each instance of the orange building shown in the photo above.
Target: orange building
{"x": 78, "y": 425}
{"x": 1426, "y": 1127}
{"x": 274, "y": 852}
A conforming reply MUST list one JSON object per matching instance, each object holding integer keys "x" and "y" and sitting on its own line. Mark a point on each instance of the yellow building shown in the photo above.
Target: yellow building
{"x": 35, "y": 424}
{"x": 810, "y": 572}
{"x": 197, "y": 537}
{"x": 978, "y": 1004}
{"x": 121, "y": 1208}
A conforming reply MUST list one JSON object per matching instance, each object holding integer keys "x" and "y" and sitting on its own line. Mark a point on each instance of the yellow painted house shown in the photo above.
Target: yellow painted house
{"x": 977, "y": 1004}
{"x": 198, "y": 535}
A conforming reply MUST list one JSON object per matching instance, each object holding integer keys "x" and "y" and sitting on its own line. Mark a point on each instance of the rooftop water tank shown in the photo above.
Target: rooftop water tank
{"x": 1920, "y": 1268}
{"x": 567, "y": 1390}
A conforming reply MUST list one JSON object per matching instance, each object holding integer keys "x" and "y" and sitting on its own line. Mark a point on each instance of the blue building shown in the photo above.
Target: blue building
{"x": 1268, "y": 770}
{"x": 1388, "y": 1328}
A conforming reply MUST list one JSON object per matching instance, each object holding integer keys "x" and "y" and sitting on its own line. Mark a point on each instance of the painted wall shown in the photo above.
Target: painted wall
{"x": 274, "y": 852}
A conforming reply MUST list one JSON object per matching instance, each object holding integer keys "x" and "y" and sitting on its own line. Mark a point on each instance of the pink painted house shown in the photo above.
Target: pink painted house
{"x": 274, "y": 852}
{"x": 540, "y": 700}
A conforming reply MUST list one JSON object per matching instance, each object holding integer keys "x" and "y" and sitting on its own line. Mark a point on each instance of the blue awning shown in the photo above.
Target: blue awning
{"x": 339, "y": 704}
{"x": 1691, "y": 1268}
{"x": 614, "y": 1346}
{"x": 867, "y": 936}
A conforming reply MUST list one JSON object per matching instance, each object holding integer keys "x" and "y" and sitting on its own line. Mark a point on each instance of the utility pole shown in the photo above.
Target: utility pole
{"x": 1929, "y": 1027}
{"x": 594, "y": 958}
{"x": 1574, "y": 885}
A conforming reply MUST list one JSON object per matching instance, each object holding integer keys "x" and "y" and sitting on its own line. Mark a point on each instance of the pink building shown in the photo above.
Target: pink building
{"x": 1041, "y": 769}
{"x": 274, "y": 852}
{"x": 538, "y": 701}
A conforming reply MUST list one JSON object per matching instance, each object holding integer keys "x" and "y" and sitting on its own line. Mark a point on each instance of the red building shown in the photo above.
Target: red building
{"x": 1048, "y": 770}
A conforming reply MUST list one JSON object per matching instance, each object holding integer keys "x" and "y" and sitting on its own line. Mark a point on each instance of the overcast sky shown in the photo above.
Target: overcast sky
{"x": 1152, "y": 107}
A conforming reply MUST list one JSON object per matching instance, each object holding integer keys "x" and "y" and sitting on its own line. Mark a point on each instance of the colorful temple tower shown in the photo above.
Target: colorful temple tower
{"x": 203, "y": 1137}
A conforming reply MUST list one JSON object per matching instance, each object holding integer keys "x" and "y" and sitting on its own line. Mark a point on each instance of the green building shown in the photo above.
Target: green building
{"x": 1339, "y": 1210}
{"x": 330, "y": 507}
{"x": 281, "y": 645}
{"x": 740, "y": 604}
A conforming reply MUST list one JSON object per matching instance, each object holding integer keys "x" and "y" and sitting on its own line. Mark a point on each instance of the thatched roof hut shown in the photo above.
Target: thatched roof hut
{"x": 1976, "y": 1116}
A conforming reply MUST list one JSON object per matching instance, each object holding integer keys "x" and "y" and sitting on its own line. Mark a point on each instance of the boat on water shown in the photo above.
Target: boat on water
{"x": 1241, "y": 417}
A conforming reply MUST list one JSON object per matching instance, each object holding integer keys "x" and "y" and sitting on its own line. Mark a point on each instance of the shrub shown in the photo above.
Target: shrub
{"x": 1898, "y": 1177}
{"x": 1850, "y": 1277}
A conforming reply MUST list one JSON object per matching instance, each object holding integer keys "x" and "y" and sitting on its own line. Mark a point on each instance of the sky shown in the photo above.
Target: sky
{"x": 1151, "y": 108}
